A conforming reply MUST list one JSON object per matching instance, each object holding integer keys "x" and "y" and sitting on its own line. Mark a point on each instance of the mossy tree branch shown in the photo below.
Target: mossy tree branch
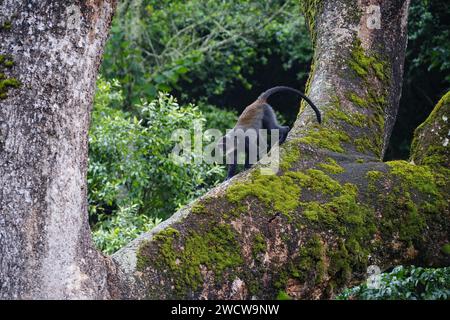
{"x": 334, "y": 208}
{"x": 306, "y": 232}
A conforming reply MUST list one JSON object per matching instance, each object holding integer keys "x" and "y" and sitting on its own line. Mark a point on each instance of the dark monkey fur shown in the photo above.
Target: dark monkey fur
{"x": 260, "y": 115}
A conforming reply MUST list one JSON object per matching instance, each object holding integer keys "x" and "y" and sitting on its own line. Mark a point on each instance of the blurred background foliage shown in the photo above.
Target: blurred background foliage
{"x": 212, "y": 58}
{"x": 404, "y": 283}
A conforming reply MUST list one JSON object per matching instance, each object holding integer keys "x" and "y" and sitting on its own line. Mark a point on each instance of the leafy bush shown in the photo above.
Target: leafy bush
{"x": 405, "y": 283}
{"x": 132, "y": 179}
{"x": 125, "y": 225}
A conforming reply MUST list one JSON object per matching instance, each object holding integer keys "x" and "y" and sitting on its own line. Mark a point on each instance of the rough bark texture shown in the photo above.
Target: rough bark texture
{"x": 50, "y": 53}
{"x": 335, "y": 207}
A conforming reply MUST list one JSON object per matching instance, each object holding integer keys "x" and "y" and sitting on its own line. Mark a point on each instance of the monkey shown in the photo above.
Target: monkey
{"x": 259, "y": 115}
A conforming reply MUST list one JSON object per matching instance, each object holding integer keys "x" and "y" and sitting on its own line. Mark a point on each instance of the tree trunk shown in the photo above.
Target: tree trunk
{"x": 334, "y": 208}
{"x": 308, "y": 231}
{"x": 55, "y": 49}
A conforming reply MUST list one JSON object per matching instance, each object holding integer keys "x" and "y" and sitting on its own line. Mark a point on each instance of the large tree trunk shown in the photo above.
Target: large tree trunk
{"x": 332, "y": 210}
{"x": 45, "y": 242}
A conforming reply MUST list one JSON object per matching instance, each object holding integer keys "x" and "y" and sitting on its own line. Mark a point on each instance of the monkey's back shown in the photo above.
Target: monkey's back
{"x": 252, "y": 116}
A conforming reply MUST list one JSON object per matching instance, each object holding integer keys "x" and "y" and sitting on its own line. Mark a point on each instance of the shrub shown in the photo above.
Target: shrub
{"x": 405, "y": 283}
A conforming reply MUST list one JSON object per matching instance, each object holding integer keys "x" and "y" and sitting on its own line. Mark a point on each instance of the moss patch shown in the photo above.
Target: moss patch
{"x": 290, "y": 154}
{"x": 217, "y": 249}
{"x": 357, "y": 100}
{"x": 403, "y": 214}
{"x": 311, "y": 8}
{"x": 280, "y": 193}
{"x": 259, "y": 245}
{"x": 198, "y": 208}
{"x": 430, "y": 149}
{"x": 364, "y": 64}
{"x": 368, "y": 67}
{"x": 446, "y": 249}
{"x": 326, "y": 138}
{"x": 6, "y": 83}
{"x": 6, "y": 26}
{"x": 331, "y": 166}
{"x": 417, "y": 177}
{"x": 282, "y": 295}
{"x": 310, "y": 262}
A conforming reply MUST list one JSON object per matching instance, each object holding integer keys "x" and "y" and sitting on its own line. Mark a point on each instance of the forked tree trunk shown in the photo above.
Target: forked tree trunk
{"x": 333, "y": 209}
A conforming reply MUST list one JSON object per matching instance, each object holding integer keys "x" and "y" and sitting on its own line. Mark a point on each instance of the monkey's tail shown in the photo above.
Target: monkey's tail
{"x": 266, "y": 94}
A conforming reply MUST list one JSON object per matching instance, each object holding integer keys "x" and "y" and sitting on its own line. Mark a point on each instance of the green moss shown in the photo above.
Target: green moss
{"x": 311, "y": 8}
{"x": 290, "y": 154}
{"x": 331, "y": 166}
{"x": 318, "y": 181}
{"x": 367, "y": 145}
{"x": 6, "y": 26}
{"x": 364, "y": 64}
{"x": 280, "y": 193}
{"x": 368, "y": 67}
{"x": 373, "y": 177}
{"x": 413, "y": 223}
{"x": 429, "y": 149}
{"x": 403, "y": 213}
{"x": 198, "y": 208}
{"x": 342, "y": 212}
{"x": 216, "y": 248}
{"x": 6, "y": 83}
{"x": 310, "y": 261}
{"x": 340, "y": 265}
{"x": 417, "y": 177}
{"x": 446, "y": 249}
{"x": 354, "y": 119}
{"x": 259, "y": 245}
{"x": 314, "y": 211}
{"x": 357, "y": 100}
{"x": 359, "y": 160}
{"x": 444, "y": 101}
{"x": 142, "y": 260}
{"x": 333, "y": 141}
{"x": 282, "y": 295}
{"x": 402, "y": 218}
{"x": 350, "y": 220}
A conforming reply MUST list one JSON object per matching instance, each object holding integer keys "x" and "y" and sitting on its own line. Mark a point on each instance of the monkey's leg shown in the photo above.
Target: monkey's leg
{"x": 231, "y": 171}
{"x": 232, "y": 166}
{"x": 283, "y": 134}
{"x": 247, "y": 164}
{"x": 270, "y": 122}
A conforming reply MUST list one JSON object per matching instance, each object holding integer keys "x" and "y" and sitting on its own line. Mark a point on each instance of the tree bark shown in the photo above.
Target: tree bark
{"x": 55, "y": 49}
{"x": 334, "y": 208}
{"x": 313, "y": 228}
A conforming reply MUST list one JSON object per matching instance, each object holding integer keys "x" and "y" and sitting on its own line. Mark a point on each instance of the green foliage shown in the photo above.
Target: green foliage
{"x": 125, "y": 225}
{"x": 202, "y": 46}
{"x": 428, "y": 37}
{"x": 405, "y": 283}
{"x": 131, "y": 175}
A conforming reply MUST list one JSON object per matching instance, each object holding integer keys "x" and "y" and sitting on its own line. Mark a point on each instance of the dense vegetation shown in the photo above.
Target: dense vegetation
{"x": 211, "y": 58}
{"x": 404, "y": 283}
{"x": 133, "y": 181}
